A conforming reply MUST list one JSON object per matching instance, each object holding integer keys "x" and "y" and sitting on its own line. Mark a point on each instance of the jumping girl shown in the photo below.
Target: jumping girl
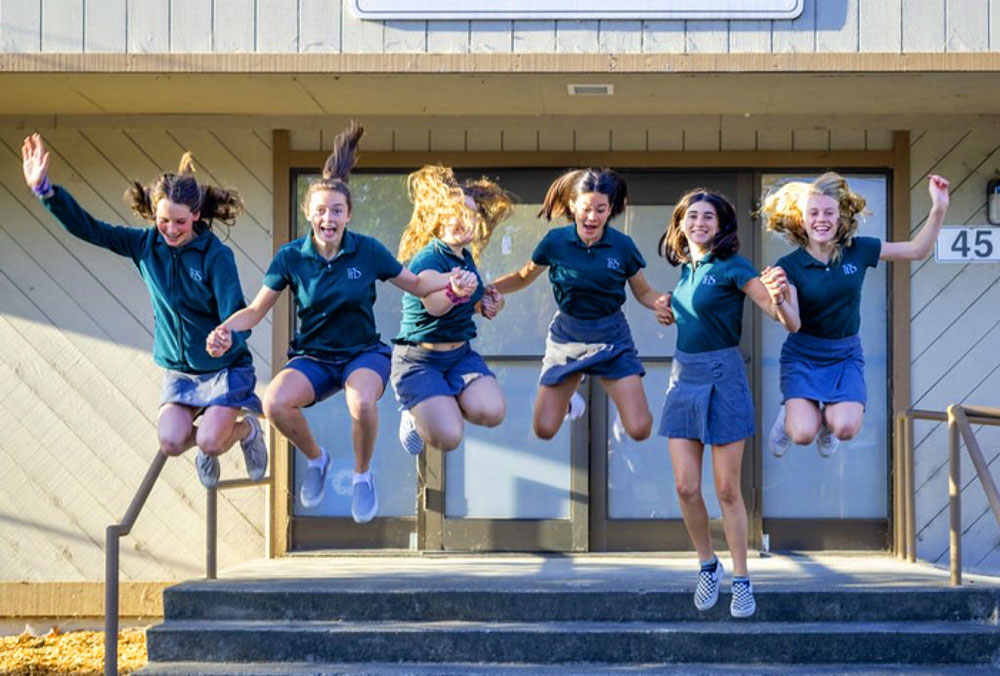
{"x": 193, "y": 283}
{"x": 589, "y": 264}
{"x": 822, "y": 365}
{"x": 708, "y": 399}
{"x": 332, "y": 273}
{"x": 439, "y": 379}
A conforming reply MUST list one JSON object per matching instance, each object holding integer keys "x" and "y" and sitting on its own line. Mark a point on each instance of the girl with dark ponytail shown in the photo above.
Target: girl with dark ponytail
{"x": 331, "y": 273}
{"x": 589, "y": 264}
{"x": 193, "y": 284}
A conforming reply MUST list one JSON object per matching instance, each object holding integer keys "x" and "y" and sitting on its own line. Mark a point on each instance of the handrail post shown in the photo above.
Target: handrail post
{"x": 111, "y": 601}
{"x": 954, "y": 498}
{"x": 211, "y": 531}
{"x": 909, "y": 490}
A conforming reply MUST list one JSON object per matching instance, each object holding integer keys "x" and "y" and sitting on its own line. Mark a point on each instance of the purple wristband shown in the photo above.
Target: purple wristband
{"x": 454, "y": 297}
{"x": 43, "y": 188}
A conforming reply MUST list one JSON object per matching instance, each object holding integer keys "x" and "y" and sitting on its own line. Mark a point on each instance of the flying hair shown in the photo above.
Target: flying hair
{"x": 338, "y": 166}
{"x": 565, "y": 189}
{"x": 181, "y": 187}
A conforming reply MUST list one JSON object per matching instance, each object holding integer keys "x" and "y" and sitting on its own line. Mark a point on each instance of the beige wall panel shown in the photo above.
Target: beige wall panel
{"x": 927, "y": 150}
{"x": 837, "y": 25}
{"x": 377, "y": 137}
{"x": 924, "y": 25}
{"x": 20, "y": 26}
{"x": 277, "y": 26}
{"x": 480, "y": 139}
{"x": 663, "y": 37}
{"x": 620, "y": 37}
{"x": 878, "y": 139}
{"x": 556, "y": 138}
{"x": 810, "y": 139}
{"x": 534, "y": 36}
{"x": 319, "y": 25}
{"x": 994, "y": 25}
{"x": 359, "y": 36}
{"x": 750, "y": 36}
{"x": 701, "y": 139}
{"x": 104, "y": 26}
{"x": 443, "y": 140}
{"x": 63, "y": 22}
{"x": 188, "y": 20}
{"x": 593, "y": 139}
{"x": 628, "y": 138}
{"x": 711, "y": 37}
{"x": 769, "y": 139}
{"x": 412, "y": 139}
{"x": 576, "y": 37}
{"x": 405, "y": 36}
{"x": 491, "y": 37}
{"x": 799, "y": 34}
{"x": 880, "y": 25}
{"x": 848, "y": 139}
{"x": 235, "y": 26}
{"x": 146, "y": 22}
{"x": 968, "y": 28}
{"x": 518, "y": 139}
{"x": 305, "y": 139}
{"x": 666, "y": 139}
{"x": 738, "y": 138}
{"x": 448, "y": 37}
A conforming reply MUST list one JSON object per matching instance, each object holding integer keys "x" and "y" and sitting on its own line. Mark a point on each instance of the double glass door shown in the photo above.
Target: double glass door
{"x": 591, "y": 488}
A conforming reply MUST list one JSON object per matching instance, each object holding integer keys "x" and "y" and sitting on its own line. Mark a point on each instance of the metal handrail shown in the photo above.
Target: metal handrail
{"x": 118, "y": 530}
{"x": 960, "y": 419}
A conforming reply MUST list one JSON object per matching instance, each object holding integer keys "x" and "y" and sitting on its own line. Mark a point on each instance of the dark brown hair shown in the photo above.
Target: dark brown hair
{"x": 338, "y": 166}
{"x": 565, "y": 189}
{"x": 674, "y": 244}
{"x": 211, "y": 203}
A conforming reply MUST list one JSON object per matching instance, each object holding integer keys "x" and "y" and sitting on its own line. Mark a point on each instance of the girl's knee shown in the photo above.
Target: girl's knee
{"x": 545, "y": 429}
{"x": 172, "y": 444}
{"x": 640, "y": 429}
{"x": 211, "y": 441}
{"x": 446, "y": 440}
{"x": 488, "y": 416}
{"x": 845, "y": 431}
{"x": 361, "y": 407}
{"x": 728, "y": 493}
{"x": 688, "y": 490}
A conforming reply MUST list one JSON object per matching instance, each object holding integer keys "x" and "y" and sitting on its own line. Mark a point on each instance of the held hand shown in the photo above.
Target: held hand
{"x": 219, "y": 341}
{"x": 34, "y": 160}
{"x": 937, "y": 186}
{"x": 491, "y": 303}
{"x": 464, "y": 283}
{"x": 661, "y": 307}
{"x": 775, "y": 281}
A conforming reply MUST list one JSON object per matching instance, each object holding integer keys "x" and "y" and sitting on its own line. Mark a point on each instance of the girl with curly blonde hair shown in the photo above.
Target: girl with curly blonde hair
{"x": 331, "y": 272}
{"x": 440, "y": 381}
{"x": 822, "y": 365}
{"x": 193, "y": 284}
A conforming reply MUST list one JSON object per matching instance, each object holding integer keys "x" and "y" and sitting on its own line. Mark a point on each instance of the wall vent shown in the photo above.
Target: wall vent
{"x": 591, "y": 89}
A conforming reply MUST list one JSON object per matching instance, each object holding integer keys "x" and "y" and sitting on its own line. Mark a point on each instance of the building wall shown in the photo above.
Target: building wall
{"x": 300, "y": 26}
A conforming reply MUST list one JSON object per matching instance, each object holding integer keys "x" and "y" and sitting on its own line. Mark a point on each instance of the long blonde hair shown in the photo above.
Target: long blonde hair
{"x": 437, "y": 196}
{"x": 782, "y": 209}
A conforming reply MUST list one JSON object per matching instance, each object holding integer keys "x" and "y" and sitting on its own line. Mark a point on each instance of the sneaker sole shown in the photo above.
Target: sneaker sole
{"x": 365, "y": 518}
{"x": 319, "y": 498}
{"x": 742, "y": 614}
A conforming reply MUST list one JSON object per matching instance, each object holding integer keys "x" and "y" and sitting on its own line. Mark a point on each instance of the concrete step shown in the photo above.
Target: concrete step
{"x": 325, "y": 600}
{"x": 919, "y": 643}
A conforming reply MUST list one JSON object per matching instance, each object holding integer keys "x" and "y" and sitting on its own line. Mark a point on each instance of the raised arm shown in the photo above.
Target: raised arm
{"x": 515, "y": 281}
{"x": 923, "y": 243}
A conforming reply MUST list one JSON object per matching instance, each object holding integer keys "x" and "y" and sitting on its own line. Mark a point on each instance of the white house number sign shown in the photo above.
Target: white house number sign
{"x": 577, "y": 9}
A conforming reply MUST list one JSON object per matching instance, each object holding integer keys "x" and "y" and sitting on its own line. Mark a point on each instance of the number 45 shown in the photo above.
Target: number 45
{"x": 983, "y": 244}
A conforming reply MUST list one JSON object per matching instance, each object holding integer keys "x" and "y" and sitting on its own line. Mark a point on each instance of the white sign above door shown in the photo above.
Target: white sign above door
{"x": 577, "y": 9}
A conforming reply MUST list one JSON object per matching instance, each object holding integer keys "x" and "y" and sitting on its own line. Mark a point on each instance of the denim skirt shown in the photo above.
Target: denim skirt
{"x": 232, "y": 387}
{"x": 708, "y": 398}
{"x": 825, "y": 370}
{"x": 600, "y": 347}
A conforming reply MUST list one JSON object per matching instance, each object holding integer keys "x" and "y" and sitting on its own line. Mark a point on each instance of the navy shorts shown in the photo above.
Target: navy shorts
{"x": 600, "y": 347}
{"x": 419, "y": 373}
{"x": 825, "y": 370}
{"x": 708, "y": 398}
{"x": 328, "y": 376}
{"x": 232, "y": 387}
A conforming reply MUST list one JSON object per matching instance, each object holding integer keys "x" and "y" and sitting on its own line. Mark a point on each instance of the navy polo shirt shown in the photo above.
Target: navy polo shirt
{"x": 588, "y": 282}
{"x": 334, "y": 298}
{"x": 830, "y": 293}
{"x": 193, "y": 288}
{"x": 708, "y": 303}
{"x": 418, "y": 325}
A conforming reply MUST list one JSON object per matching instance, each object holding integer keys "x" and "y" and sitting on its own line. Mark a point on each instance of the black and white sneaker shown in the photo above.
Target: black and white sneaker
{"x": 742, "y": 603}
{"x": 706, "y": 594}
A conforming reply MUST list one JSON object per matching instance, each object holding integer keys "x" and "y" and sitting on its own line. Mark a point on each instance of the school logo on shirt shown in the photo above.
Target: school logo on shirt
{"x": 195, "y": 274}
{"x": 614, "y": 264}
{"x": 708, "y": 280}
{"x": 850, "y": 268}
{"x": 353, "y": 273}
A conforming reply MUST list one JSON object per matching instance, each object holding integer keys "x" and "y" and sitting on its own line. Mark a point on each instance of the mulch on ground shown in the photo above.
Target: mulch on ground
{"x": 72, "y": 652}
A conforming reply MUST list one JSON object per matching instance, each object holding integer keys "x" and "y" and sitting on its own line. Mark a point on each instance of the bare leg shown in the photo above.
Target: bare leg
{"x": 218, "y": 429}
{"x": 551, "y": 405}
{"x": 482, "y": 402}
{"x": 686, "y": 456}
{"x": 175, "y": 426}
{"x": 362, "y": 390}
{"x": 288, "y": 392}
{"x": 439, "y": 422}
{"x": 844, "y": 419}
{"x": 630, "y": 399}
{"x": 802, "y": 420}
{"x": 727, "y": 461}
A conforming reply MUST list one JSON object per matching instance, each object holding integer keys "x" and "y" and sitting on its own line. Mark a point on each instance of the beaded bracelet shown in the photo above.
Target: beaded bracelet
{"x": 454, "y": 297}
{"x": 43, "y": 188}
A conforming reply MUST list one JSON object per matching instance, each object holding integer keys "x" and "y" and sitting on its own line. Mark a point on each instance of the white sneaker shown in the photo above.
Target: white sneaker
{"x": 778, "y": 441}
{"x": 408, "y": 436}
{"x": 706, "y": 594}
{"x": 577, "y": 407}
{"x": 826, "y": 442}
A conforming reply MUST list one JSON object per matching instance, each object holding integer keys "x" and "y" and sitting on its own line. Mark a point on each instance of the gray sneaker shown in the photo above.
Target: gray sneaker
{"x": 364, "y": 504}
{"x": 314, "y": 485}
{"x": 826, "y": 442}
{"x": 255, "y": 450}
{"x": 777, "y": 440}
{"x": 208, "y": 469}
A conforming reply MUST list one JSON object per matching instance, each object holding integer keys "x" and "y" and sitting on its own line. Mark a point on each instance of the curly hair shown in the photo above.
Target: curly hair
{"x": 211, "y": 203}
{"x": 437, "y": 196}
{"x": 338, "y": 166}
{"x": 565, "y": 189}
{"x": 673, "y": 243}
{"x": 783, "y": 210}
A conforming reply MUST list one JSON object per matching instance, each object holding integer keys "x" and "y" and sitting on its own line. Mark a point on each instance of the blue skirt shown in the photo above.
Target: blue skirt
{"x": 708, "y": 398}
{"x": 233, "y": 387}
{"x": 825, "y": 370}
{"x": 600, "y": 347}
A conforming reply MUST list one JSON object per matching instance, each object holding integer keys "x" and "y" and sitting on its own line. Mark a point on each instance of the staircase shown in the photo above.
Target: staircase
{"x": 302, "y": 624}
